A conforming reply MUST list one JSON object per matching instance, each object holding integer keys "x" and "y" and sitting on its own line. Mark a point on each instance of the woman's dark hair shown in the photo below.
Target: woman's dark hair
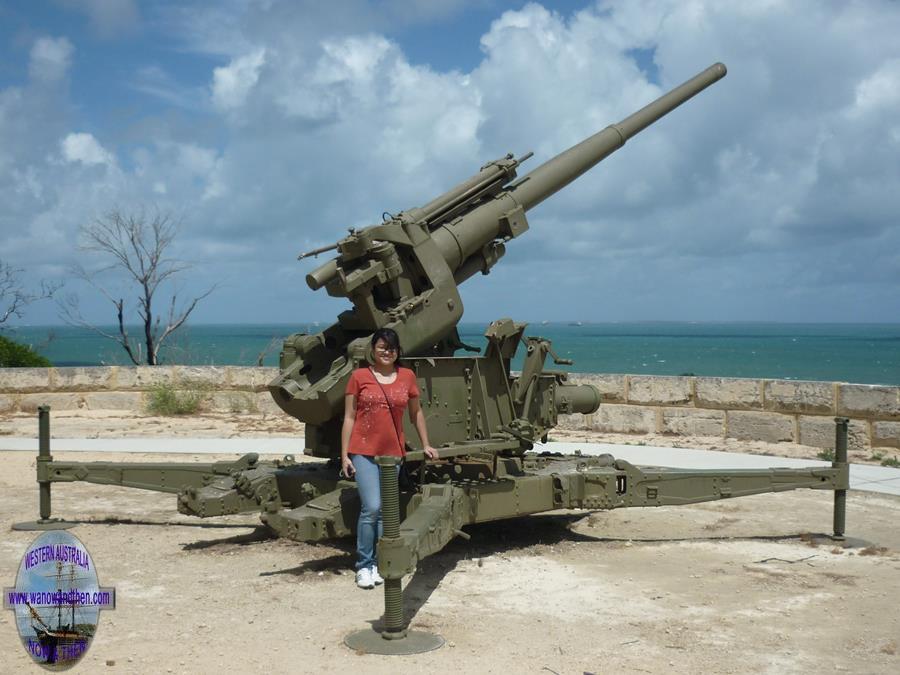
{"x": 391, "y": 339}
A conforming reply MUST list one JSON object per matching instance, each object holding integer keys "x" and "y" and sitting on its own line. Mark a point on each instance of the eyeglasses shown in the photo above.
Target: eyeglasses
{"x": 386, "y": 350}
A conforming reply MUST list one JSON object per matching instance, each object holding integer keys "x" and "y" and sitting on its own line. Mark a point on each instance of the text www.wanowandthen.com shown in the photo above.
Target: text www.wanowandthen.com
{"x": 73, "y": 596}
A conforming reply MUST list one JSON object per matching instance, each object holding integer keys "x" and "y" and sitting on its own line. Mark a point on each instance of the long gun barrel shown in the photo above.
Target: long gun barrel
{"x": 569, "y": 165}
{"x": 460, "y": 240}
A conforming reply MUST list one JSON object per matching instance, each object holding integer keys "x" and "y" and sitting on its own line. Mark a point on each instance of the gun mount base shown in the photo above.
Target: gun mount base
{"x": 43, "y": 525}
{"x": 371, "y": 641}
{"x": 840, "y": 542}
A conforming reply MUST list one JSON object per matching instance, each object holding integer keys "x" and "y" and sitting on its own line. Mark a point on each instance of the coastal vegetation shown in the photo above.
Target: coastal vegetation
{"x": 15, "y": 355}
{"x": 14, "y": 298}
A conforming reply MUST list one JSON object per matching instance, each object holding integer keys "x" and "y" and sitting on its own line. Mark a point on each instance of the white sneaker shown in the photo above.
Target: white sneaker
{"x": 376, "y": 578}
{"x": 364, "y": 578}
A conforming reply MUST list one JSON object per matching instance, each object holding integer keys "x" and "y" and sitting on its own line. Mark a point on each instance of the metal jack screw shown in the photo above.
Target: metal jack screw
{"x": 390, "y": 518}
{"x": 43, "y": 460}
{"x": 395, "y": 638}
{"x": 841, "y": 462}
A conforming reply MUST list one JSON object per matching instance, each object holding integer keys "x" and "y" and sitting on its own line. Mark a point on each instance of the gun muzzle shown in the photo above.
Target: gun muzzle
{"x": 320, "y": 276}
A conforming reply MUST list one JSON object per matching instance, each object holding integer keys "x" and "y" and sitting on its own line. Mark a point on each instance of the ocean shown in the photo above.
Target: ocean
{"x": 864, "y": 353}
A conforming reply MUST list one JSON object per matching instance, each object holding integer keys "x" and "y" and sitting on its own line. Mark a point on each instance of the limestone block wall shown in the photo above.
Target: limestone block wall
{"x": 224, "y": 388}
{"x": 750, "y": 409}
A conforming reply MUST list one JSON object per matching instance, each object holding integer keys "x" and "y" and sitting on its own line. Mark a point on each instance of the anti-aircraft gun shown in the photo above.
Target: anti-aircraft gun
{"x": 405, "y": 273}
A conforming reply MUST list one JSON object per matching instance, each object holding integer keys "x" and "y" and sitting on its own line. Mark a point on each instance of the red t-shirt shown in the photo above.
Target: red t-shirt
{"x": 374, "y": 431}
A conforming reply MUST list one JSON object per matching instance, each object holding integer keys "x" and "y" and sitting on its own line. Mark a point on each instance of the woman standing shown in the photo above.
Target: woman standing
{"x": 375, "y": 399}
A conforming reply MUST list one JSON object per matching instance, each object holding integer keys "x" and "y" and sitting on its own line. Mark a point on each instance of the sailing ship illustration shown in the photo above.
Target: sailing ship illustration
{"x": 62, "y": 629}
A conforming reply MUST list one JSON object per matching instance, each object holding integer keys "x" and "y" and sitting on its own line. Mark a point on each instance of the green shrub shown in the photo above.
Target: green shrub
{"x": 827, "y": 454}
{"x": 892, "y": 462}
{"x": 15, "y": 355}
{"x": 165, "y": 399}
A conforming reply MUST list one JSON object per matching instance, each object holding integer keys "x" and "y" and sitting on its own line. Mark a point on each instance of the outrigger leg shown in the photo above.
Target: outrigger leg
{"x": 45, "y": 522}
{"x": 204, "y": 489}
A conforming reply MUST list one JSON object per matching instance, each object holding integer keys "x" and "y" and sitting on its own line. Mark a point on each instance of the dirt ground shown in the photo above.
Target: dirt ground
{"x": 729, "y": 586}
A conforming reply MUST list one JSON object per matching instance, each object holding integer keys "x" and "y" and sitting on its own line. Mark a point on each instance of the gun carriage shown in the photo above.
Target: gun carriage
{"x": 405, "y": 274}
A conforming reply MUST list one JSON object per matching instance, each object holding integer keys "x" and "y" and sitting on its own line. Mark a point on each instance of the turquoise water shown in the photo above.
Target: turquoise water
{"x": 867, "y": 353}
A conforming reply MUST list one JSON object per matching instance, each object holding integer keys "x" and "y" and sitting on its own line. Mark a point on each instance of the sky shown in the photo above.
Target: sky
{"x": 269, "y": 127}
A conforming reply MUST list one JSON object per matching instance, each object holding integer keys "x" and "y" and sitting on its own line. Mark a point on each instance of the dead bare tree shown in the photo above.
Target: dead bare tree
{"x": 13, "y": 296}
{"x": 136, "y": 246}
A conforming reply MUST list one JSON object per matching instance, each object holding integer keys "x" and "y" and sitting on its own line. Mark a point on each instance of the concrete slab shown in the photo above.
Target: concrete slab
{"x": 862, "y": 476}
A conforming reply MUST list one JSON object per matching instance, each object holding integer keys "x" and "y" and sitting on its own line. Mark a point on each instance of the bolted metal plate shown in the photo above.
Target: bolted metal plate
{"x": 369, "y": 641}
{"x": 50, "y": 524}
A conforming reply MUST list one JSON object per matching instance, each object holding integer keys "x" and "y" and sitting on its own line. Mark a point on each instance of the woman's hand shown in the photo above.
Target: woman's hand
{"x": 430, "y": 452}
{"x": 347, "y": 467}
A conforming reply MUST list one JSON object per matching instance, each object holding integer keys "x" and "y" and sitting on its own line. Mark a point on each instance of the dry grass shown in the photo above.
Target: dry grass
{"x": 165, "y": 399}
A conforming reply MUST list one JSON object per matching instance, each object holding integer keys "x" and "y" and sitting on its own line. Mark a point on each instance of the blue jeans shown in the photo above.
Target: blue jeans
{"x": 368, "y": 527}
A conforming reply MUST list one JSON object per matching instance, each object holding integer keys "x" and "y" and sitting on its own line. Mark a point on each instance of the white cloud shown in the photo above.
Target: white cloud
{"x": 351, "y": 60}
{"x": 232, "y": 83}
{"x": 195, "y": 159}
{"x": 50, "y": 59}
{"x": 878, "y": 92}
{"x": 84, "y": 148}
